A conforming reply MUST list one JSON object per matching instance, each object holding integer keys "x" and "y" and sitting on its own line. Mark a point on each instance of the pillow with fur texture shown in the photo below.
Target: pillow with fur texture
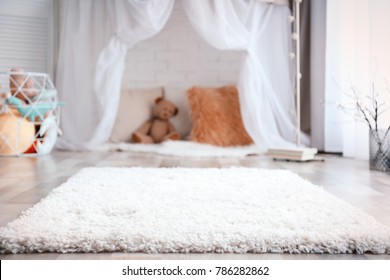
{"x": 216, "y": 117}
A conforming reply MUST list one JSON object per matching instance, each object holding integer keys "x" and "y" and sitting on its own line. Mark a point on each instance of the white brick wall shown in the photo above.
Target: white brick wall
{"x": 178, "y": 58}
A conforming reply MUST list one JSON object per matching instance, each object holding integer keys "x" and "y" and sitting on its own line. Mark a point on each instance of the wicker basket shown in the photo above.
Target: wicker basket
{"x": 29, "y": 114}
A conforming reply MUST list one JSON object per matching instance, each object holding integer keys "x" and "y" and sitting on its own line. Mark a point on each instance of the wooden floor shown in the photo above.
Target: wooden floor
{"x": 24, "y": 181}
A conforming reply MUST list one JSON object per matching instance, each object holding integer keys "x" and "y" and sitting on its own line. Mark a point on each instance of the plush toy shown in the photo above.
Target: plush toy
{"x": 26, "y": 121}
{"x": 16, "y": 133}
{"x": 159, "y": 128}
{"x": 22, "y": 86}
{"x": 46, "y": 137}
{"x": 38, "y": 110}
{"x": 3, "y": 102}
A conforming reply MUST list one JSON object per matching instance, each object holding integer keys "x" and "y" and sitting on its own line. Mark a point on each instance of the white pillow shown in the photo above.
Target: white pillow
{"x": 135, "y": 108}
{"x": 182, "y": 120}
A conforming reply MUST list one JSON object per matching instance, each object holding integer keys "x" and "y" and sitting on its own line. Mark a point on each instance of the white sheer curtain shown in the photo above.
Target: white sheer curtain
{"x": 356, "y": 55}
{"x": 266, "y": 80}
{"x": 95, "y": 36}
{"x": 347, "y": 64}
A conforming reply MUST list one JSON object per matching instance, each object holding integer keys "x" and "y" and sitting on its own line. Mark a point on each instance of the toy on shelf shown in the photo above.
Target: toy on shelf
{"x": 29, "y": 113}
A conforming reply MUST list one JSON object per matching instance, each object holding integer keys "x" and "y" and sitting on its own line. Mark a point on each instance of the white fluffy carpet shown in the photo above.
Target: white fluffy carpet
{"x": 183, "y": 148}
{"x": 192, "y": 210}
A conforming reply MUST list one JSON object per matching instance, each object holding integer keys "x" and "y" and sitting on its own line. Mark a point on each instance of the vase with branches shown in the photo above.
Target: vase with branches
{"x": 368, "y": 109}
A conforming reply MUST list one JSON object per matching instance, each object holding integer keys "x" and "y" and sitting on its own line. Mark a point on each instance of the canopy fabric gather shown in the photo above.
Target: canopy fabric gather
{"x": 96, "y": 35}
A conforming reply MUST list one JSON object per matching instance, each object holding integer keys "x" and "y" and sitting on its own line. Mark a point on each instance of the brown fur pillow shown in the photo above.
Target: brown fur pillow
{"x": 216, "y": 117}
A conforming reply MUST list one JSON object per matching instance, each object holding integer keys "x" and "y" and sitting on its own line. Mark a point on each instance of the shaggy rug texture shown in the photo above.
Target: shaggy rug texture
{"x": 183, "y": 149}
{"x": 184, "y": 210}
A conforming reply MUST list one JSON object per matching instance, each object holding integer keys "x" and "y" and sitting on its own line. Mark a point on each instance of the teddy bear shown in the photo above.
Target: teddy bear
{"x": 159, "y": 128}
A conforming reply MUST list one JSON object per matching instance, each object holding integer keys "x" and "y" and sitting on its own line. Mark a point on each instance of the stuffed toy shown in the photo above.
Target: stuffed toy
{"x": 16, "y": 133}
{"x": 22, "y": 86}
{"x": 38, "y": 110}
{"x": 159, "y": 128}
{"x": 46, "y": 137}
{"x": 3, "y": 102}
{"x": 26, "y": 121}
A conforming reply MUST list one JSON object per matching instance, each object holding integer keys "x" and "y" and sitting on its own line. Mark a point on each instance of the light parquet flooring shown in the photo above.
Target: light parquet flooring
{"x": 24, "y": 181}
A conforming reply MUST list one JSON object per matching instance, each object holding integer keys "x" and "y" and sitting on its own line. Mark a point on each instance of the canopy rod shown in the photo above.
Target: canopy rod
{"x": 298, "y": 76}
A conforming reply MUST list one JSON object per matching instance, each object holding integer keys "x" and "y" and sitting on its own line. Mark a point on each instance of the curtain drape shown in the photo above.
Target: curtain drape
{"x": 347, "y": 65}
{"x": 266, "y": 82}
{"x": 95, "y": 36}
{"x": 356, "y": 54}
